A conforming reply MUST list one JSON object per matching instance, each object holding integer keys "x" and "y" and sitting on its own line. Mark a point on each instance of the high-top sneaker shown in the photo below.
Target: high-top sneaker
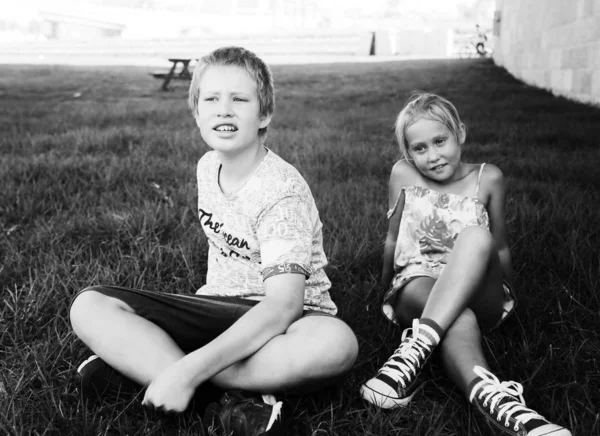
{"x": 99, "y": 380}
{"x": 503, "y": 408}
{"x": 241, "y": 413}
{"x": 398, "y": 379}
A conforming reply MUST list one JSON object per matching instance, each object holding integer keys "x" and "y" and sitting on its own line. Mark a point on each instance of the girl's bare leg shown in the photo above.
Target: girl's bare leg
{"x": 472, "y": 278}
{"x": 465, "y": 299}
{"x": 461, "y": 347}
{"x": 461, "y": 350}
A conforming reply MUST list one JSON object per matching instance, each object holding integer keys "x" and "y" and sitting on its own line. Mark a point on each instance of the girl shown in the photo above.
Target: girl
{"x": 447, "y": 267}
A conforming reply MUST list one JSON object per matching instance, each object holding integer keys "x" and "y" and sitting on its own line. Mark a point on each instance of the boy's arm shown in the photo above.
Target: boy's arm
{"x": 283, "y": 242}
{"x": 496, "y": 210}
{"x": 272, "y": 316}
{"x": 172, "y": 390}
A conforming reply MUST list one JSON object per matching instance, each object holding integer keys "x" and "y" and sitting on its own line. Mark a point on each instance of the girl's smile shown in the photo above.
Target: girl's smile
{"x": 435, "y": 150}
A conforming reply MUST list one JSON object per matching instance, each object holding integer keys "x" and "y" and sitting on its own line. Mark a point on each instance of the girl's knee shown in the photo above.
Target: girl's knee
{"x": 477, "y": 238}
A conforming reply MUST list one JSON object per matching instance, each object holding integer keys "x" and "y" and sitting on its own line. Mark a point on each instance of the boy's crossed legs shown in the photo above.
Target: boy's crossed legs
{"x": 467, "y": 295}
{"x": 141, "y": 333}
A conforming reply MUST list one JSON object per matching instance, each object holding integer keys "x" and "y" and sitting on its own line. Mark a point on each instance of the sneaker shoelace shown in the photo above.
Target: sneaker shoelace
{"x": 275, "y": 414}
{"x": 276, "y": 408}
{"x": 505, "y": 398}
{"x": 408, "y": 357}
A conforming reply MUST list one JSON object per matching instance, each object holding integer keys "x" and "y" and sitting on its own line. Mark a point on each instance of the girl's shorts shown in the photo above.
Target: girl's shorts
{"x": 192, "y": 321}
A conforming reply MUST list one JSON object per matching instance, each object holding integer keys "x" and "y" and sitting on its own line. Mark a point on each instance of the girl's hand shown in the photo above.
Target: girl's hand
{"x": 170, "y": 392}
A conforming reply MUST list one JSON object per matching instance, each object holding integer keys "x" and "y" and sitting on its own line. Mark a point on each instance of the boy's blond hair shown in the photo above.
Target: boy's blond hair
{"x": 429, "y": 107}
{"x": 239, "y": 57}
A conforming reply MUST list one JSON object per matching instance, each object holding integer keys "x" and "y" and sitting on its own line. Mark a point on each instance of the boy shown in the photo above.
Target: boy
{"x": 252, "y": 326}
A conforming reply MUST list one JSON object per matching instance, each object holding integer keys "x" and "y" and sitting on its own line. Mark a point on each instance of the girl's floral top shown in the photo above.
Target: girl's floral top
{"x": 431, "y": 222}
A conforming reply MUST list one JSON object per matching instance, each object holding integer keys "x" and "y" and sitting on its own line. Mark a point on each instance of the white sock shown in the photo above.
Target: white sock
{"x": 428, "y": 332}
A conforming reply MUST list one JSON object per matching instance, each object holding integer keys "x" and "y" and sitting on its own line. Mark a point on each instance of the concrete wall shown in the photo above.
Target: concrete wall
{"x": 552, "y": 44}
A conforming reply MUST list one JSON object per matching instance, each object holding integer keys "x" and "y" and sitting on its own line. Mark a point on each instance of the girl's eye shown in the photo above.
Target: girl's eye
{"x": 440, "y": 141}
{"x": 210, "y": 99}
{"x": 239, "y": 99}
{"x": 419, "y": 149}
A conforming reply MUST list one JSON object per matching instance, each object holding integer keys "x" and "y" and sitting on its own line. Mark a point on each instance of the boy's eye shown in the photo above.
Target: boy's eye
{"x": 440, "y": 140}
{"x": 239, "y": 99}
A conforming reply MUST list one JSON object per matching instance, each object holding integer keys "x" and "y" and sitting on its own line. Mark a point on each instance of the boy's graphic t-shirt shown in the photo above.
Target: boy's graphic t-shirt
{"x": 268, "y": 226}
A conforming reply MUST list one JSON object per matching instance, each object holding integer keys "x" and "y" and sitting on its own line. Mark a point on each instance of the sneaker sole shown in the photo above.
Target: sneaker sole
{"x": 385, "y": 401}
{"x": 85, "y": 362}
{"x": 556, "y": 431}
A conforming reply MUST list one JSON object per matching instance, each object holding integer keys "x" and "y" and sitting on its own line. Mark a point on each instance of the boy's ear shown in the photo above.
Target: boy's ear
{"x": 462, "y": 134}
{"x": 265, "y": 120}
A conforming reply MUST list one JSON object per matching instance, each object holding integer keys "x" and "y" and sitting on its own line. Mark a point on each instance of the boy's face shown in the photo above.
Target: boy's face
{"x": 229, "y": 110}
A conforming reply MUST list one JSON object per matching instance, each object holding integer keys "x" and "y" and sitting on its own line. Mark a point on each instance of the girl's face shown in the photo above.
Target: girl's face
{"x": 435, "y": 149}
{"x": 229, "y": 110}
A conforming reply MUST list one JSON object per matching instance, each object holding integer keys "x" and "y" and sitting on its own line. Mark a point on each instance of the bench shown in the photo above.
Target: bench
{"x": 172, "y": 74}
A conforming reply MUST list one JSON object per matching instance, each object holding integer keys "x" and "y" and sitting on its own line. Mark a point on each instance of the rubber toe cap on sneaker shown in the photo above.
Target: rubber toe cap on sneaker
{"x": 550, "y": 430}
{"x": 380, "y": 394}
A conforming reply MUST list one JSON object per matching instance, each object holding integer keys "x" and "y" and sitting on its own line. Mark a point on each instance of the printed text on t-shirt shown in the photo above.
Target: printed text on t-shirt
{"x": 216, "y": 227}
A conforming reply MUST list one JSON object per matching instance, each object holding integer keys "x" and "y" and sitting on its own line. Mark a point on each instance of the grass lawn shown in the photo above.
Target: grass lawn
{"x": 97, "y": 177}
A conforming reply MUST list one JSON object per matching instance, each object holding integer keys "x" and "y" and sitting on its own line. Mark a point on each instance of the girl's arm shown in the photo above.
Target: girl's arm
{"x": 394, "y": 189}
{"x": 495, "y": 206}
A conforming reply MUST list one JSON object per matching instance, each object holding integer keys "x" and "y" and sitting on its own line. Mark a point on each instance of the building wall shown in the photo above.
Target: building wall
{"x": 553, "y": 44}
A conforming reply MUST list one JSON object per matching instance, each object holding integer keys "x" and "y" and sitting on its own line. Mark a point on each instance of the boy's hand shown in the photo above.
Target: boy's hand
{"x": 170, "y": 392}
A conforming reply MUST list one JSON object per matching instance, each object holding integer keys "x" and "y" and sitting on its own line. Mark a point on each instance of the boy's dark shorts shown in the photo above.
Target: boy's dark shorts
{"x": 192, "y": 321}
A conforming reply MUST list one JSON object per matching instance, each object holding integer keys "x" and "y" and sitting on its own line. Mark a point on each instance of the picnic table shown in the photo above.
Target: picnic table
{"x": 178, "y": 74}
